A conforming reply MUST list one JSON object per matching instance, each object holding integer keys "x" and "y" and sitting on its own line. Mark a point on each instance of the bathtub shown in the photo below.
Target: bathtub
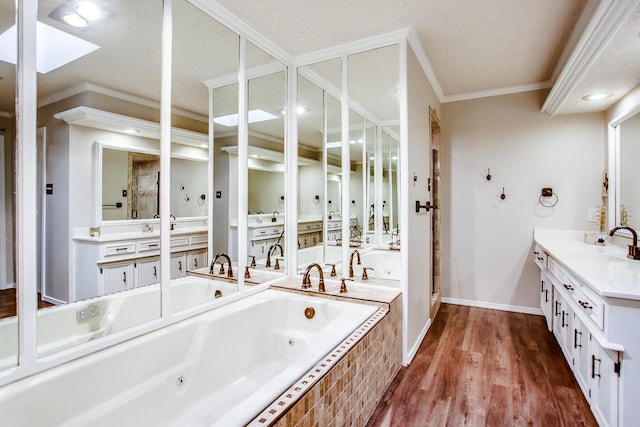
{"x": 220, "y": 368}
{"x": 61, "y": 327}
{"x": 313, "y": 254}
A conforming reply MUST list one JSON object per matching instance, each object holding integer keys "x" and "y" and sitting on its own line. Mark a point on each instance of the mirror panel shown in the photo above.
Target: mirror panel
{"x": 357, "y": 151}
{"x": 8, "y": 291}
{"x": 265, "y": 163}
{"x": 334, "y": 180}
{"x": 629, "y": 153}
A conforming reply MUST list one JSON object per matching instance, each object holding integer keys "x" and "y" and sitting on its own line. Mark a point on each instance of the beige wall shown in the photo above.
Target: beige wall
{"x": 487, "y": 242}
{"x": 418, "y": 242}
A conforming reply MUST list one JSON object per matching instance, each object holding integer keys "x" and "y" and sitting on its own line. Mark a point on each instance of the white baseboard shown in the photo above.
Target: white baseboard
{"x": 493, "y": 306}
{"x": 412, "y": 353}
{"x": 53, "y": 300}
{"x": 7, "y": 286}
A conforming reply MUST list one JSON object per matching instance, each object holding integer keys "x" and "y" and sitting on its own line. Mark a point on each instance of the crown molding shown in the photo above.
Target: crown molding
{"x": 600, "y": 29}
{"x": 496, "y": 92}
{"x": 427, "y": 69}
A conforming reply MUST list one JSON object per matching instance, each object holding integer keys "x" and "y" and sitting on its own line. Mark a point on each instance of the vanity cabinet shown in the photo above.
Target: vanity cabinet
{"x": 262, "y": 237}
{"x": 309, "y": 233}
{"x": 113, "y": 263}
{"x": 595, "y": 335}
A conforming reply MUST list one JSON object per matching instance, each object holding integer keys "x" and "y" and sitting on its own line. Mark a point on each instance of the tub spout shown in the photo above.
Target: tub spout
{"x": 215, "y": 261}
{"x": 272, "y": 251}
{"x": 306, "y": 279}
{"x": 355, "y": 252}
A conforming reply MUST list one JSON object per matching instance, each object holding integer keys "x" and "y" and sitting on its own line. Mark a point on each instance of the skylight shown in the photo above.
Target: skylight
{"x": 54, "y": 48}
{"x": 255, "y": 116}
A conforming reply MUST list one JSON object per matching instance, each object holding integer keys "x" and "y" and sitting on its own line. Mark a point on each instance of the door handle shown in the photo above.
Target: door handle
{"x": 427, "y": 206}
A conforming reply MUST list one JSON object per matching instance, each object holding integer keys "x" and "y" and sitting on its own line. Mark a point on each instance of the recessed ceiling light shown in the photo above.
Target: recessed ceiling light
{"x": 89, "y": 11}
{"x": 597, "y": 96}
{"x": 131, "y": 131}
{"x": 74, "y": 20}
{"x": 299, "y": 109}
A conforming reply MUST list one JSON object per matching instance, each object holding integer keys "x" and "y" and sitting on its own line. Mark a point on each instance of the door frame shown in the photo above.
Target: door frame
{"x": 436, "y": 217}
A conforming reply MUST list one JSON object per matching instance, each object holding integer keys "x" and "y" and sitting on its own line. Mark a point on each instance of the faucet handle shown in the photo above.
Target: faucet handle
{"x": 343, "y": 285}
{"x": 365, "y": 276}
{"x": 333, "y": 270}
{"x": 221, "y": 271}
{"x": 253, "y": 261}
{"x": 247, "y": 274}
{"x": 277, "y": 265}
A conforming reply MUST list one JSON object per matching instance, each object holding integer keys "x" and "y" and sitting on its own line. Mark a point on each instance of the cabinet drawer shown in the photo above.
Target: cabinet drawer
{"x": 308, "y": 226}
{"x": 201, "y": 238}
{"x": 125, "y": 248}
{"x": 179, "y": 241}
{"x": 592, "y": 305}
{"x": 317, "y": 225}
{"x": 151, "y": 245}
{"x": 540, "y": 257}
{"x": 570, "y": 285}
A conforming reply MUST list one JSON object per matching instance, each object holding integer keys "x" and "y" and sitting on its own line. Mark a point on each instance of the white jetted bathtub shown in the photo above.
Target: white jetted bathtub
{"x": 68, "y": 325}
{"x": 312, "y": 254}
{"x": 385, "y": 265}
{"x": 220, "y": 368}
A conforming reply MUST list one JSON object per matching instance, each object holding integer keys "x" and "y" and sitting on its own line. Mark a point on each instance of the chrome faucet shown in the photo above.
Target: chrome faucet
{"x": 214, "y": 262}
{"x": 275, "y": 214}
{"x": 634, "y": 250}
{"x": 306, "y": 279}
{"x": 271, "y": 251}
{"x": 355, "y": 252}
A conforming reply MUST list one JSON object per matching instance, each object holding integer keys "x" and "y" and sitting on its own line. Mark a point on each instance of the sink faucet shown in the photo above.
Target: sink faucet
{"x": 306, "y": 280}
{"x": 215, "y": 260}
{"x": 355, "y": 252}
{"x": 272, "y": 251}
{"x": 634, "y": 251}
{"x": 275, "y": 214}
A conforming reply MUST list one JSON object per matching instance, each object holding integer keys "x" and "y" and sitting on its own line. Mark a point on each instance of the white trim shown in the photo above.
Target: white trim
{"x": 291, "y": 174}
{"x": 242, "y": 170}
{"x": 3, "y": 223}
{"x": 492, "y": 306}
{"x": 252, "y": 73}
{"x": 411, "y": 353}
{"x": 427, "y": 69}
{"x": 497, "y": 92}
{"x": 6, "y": 286}
{"x": 602, "y": 27}
{"x": 42, "y": 166}
{"x": 123, "y": 96}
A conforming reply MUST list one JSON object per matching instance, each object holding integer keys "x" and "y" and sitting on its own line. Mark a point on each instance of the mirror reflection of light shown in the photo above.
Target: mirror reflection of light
{"x": 89, "y": 11}
{"x": 255, "y": 116}
{"x": 130, "y": 131}
{"x": 75, "y": 20}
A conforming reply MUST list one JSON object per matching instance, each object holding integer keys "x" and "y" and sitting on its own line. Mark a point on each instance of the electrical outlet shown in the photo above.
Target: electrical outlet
{"x": 593, "y": 215}
{"x": 86, "y": 313}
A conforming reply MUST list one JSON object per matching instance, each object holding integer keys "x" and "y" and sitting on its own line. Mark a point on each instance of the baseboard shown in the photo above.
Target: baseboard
{"x": 53, "y": 300}
{"x": 493, "y": 306}
{"x": 7, "y": 286}
{"x": 412, "y": 353}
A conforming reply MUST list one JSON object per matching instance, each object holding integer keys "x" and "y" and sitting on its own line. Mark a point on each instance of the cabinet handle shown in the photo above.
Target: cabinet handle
{"x": 542, "y": 286}
{"x": 155, "y": 271}
{"x": 557, "y": 308}
{"x": 195, "y": 262}
{"x": 536, "y": 252}
{"x": 594, "y": 359}
{"x": 124, "y": 276}
{"x": 179, "y": 265}
{"x": 564, "y": 324}
{"x": 567, "y": 287}
{"x": 546, "y": 295}
{"x": 575, "y": 338}
{"x": 585, "y": 305}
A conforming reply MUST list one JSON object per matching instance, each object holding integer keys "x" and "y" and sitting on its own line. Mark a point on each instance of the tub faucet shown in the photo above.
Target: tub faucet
{"x": 355, "y": 252}
{"x": 215, "y": 260}
{"x": 275, "y": 214}
{"x": 634, "y": 250}
{"x": 272, "y": 251}
{"x": 306, "y": 279}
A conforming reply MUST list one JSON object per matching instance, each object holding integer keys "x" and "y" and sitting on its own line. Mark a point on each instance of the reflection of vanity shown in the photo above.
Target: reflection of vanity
{"x": 309, "y": 232}
{"x": 114, "y": 262}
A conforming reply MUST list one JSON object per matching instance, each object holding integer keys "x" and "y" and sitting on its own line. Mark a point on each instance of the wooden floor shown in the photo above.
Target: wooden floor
{"x": 8, "y": 303}
{"x": 480, "y": 367}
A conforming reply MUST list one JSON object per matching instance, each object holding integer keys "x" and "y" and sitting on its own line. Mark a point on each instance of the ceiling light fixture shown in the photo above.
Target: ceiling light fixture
{"x": 597, "y": 96}
{"x": 89, "y": 11}
{"x": 74, "y": 20}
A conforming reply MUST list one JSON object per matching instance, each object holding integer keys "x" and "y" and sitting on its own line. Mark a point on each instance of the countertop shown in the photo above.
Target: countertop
{"x": 135, "y": 235}
{"x": 605, "y": 269}
{"x": 355, "y": 290}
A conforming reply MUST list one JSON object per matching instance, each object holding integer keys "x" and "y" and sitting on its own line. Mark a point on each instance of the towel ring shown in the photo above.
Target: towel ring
{"x": 548, "y": 204}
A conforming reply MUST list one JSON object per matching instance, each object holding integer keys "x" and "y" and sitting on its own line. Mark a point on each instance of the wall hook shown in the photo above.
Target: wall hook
{"x": 503, "y": 196}
{"x": 488, "y": 174}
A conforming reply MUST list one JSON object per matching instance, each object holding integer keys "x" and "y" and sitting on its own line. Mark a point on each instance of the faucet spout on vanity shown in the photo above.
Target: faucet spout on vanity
{"x": 634, "y": 250}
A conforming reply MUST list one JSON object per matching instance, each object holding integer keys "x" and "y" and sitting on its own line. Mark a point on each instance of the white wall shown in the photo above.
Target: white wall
{"x": 416, "y": 245}
{"x": 486, "y": 242}
{"x": 265, "y": 190}
{"x": 115, "y": 171}
{"x": 311, "y": 183}
{"x": 188, "y": 182}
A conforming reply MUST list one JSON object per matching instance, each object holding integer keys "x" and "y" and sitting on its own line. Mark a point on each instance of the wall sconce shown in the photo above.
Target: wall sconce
{"x": 316, "y": 199}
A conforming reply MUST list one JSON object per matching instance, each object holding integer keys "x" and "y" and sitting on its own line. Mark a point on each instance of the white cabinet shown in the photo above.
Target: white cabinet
{"x": 604, "y": 384}
{"x": 196, "y": 259}
{"x": 148, "y": 270}
{"x": 546, "y": 297}
{"x": 178, "y": 266}
{"x": 581, "y": 359}
{"x": 118, "y": 277}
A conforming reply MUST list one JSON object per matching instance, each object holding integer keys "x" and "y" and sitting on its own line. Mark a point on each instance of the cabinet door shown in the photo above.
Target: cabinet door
{"x": 566, "y": 331}
{"x": 196, "y": 259}
{"x": 258, "y": 249}
{"x": 118, "y": 277}
{"x": 148, "y": 272}
{"x": 556, "y": 307}
{"x": 545, "y": 299}
{"x": 604, "y": 384}
{"x": 581, "y": 362}
{"x": 178, "y": 267}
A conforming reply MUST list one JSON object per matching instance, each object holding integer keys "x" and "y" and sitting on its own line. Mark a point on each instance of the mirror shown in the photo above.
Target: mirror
{"x": 390, "y": 183}
{"x": 629, "y": 186}
{"x": 357, "y": 152}
{"x": 265, "y": 164}
{"x": 8, "y": 291}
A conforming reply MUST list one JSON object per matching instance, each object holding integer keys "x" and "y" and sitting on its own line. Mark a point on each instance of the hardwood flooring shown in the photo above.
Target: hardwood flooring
{"x": 480, "y": 367}
{"x": 8, "y": 303}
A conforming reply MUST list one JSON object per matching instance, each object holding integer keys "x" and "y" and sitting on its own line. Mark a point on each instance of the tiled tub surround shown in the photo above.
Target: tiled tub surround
{"x": 68, "y": 325}
{"x": 345, "y": 387}
{"x": 220, "y": 368}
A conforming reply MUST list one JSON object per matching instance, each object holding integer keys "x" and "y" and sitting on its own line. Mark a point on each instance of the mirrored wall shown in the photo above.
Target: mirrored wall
{"x": 629, "y": 186}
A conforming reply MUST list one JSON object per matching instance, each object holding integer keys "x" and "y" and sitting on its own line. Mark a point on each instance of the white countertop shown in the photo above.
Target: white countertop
{"x": 605, "y": 269}
{"x": 135, "y": 235}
